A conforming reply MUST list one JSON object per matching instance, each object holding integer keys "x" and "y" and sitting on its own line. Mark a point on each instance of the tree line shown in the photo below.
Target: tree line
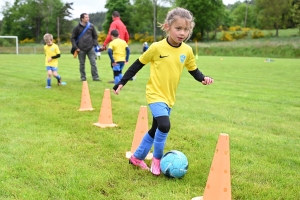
{"x": 34, "y": 18}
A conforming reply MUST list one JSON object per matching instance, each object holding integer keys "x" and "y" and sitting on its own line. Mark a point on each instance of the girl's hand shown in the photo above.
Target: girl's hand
{"x": 49, "y": 59}
{"x": 207, "y": 80}
{"x": 116, "y": 91}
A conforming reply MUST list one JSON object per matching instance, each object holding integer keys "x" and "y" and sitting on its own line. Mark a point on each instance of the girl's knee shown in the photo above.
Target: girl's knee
{"x": 165, "y": 127}
{"x": 164, "y": 124}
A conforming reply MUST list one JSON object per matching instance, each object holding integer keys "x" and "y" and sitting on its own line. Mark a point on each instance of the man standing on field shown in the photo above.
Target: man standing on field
{"x": 85, "y": 45}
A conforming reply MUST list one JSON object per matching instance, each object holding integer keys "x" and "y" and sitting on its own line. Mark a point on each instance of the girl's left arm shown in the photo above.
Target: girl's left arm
{"x": 197, "y": 74}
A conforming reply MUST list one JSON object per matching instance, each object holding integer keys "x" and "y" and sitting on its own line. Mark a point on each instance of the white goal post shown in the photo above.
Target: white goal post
{"x": 16, "y": 37}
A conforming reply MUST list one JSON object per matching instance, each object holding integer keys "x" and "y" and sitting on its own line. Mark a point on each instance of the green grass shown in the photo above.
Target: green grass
{"x": 286, "y": 45}
{"x": 282, "y": 33}
{"x": 50, "y": 150}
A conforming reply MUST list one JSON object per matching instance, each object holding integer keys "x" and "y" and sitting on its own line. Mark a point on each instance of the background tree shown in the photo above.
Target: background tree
{"x": 137, "y": 19}
{"x": 145, "y": 23}
{"x": 239, "y": 15}
{"x": 9, "y": 15}
{"x": 124, "y": 8}
{"x": 227, "y": 20}
{"x": 97, "y": 19}
{"x": 63, "y": 25}
{"x": 295, "y": 13}
{"x": 207, "y": 14}
{"x": 273, "y": 13}
{"x": 33, "y": 18}
{"x": 43, "y": 15}
{"x": 159, "y": 14}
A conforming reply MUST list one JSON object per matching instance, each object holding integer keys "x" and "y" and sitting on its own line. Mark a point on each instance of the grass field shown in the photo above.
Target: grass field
{"x": 50, "y": 150}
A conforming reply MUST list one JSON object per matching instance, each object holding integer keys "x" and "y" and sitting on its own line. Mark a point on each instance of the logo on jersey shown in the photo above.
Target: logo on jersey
{"x": 182, "y": 58}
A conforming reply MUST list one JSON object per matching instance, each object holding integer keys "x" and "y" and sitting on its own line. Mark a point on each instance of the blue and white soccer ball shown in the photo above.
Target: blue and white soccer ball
{"x": 174, "y": 164}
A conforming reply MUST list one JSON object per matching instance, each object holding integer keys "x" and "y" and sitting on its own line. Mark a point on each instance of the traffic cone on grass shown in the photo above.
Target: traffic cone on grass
{"x": 218, "y": 185}
{"x": 140, "y": 130}
{"x": 105, "y": 117}
{"x": 86, "y": 104}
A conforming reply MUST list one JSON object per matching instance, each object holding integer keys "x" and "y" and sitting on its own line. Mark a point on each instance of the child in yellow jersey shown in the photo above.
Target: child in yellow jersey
{"x": 52, "y": 53}
{"x": 168, "y": 58}
{"x": 118, "y": 52}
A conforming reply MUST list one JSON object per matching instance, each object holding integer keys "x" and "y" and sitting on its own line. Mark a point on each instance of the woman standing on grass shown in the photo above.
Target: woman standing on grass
{"x": 168, "y": 57}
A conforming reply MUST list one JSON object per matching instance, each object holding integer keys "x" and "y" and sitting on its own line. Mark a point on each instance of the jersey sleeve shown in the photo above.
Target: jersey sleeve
{"x": 190, "y": 62}
{"x": 57, "y": 51}
{"x": 147, "y": 56}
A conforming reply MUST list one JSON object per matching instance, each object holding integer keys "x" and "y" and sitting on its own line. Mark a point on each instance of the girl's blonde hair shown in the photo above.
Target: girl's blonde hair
{"x": 48, "y": 36}
{"x": 174, "y": 14}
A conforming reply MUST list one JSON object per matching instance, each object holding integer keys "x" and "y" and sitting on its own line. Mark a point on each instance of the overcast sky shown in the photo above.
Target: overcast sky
{"x": 90, "y": 6}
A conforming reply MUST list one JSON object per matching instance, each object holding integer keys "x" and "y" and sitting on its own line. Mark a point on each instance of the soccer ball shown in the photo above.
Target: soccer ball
{"x": 174, "y": 164}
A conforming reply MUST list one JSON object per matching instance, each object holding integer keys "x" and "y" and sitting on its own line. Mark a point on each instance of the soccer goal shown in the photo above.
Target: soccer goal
{"x": 15, "y": 37}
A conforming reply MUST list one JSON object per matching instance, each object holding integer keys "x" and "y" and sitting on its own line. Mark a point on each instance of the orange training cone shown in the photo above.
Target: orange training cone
{"x": 140, "y": 130}
{"x": 86, "y": 103}
{"x": 105, "y": 117}
{"x": 218, "y": 186}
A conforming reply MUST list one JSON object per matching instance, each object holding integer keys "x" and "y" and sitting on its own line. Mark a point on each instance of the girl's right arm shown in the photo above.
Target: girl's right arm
{"x": 131, "y": 72}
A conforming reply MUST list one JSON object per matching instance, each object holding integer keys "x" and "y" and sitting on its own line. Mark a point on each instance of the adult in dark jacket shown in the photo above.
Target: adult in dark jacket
{"x": 85, "y": 46}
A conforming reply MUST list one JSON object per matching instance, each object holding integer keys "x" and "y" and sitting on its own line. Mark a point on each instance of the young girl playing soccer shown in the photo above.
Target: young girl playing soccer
{"x": 168, "y": 58}
{"x": 52, "y": 52}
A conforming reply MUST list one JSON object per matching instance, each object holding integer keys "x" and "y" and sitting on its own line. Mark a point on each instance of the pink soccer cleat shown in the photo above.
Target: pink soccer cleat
{"x": 155, "y": 166}
{"x": 139, "y": 163}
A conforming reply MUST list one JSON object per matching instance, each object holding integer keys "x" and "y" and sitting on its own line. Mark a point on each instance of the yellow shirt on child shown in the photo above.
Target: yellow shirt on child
{"x": 50, "y": 51}
{"x": 166, "y": 66}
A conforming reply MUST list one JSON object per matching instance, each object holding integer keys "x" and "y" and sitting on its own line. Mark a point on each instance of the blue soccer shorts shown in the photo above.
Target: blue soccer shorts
{"x": 51, "y": 68}
{"x": 160, "y": 109}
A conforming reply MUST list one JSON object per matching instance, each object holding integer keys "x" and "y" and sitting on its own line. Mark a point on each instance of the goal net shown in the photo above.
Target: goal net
{"x": 4, "y": 43}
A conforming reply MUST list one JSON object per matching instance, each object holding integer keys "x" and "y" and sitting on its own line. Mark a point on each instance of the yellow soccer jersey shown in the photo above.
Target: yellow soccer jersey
{"x": 119, "y": 49}
{"x": 50, "y": 51}
{"x": 166, "y": 65}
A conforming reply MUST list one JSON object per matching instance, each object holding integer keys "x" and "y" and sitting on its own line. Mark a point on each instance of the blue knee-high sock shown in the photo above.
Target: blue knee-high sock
{"x": 143, "y": 149}
{"x": 159, "y": 144}
{"x": 48, "y": 81}
{"x": 117, "y": 79}
{"x": 120, "y": 76}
